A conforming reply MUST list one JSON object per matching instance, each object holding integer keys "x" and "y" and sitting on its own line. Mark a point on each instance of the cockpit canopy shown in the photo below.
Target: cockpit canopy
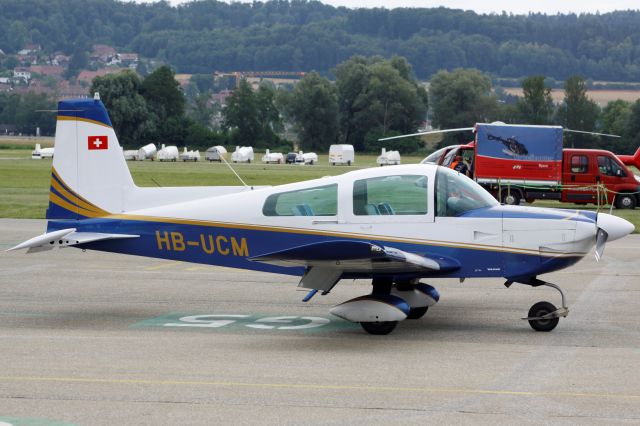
{"x": 457, "y": 194}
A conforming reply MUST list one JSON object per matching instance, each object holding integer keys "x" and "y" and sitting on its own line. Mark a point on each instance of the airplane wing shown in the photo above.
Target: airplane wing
{"x": 65, "y": 238}
{"x": 327, "y": 261}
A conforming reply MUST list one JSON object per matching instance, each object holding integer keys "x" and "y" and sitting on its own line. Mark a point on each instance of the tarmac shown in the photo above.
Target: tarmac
{"x": 92, "y": 338}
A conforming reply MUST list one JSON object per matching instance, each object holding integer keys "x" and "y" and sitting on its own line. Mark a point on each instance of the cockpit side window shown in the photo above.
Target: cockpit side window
{"x": 318, "y": 201}
{"x": 390, "y": 195}
{"x": 456, "y": 194}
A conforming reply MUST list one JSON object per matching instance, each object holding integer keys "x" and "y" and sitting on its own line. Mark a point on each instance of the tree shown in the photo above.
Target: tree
{"x": 200, "y": 111}
{"x": 163, "y": 95}
{"x": 79, "y": 61}
{"x": 578, "y": 112}
{"x": 127, "y": 108}
{"x": 632, "y": 133}
{"x": 616, "y": 119}
{"x": 378, "y": 96}
{"x": 461, "y": 98}
{"x": 29, "y": 115}
{"x": 241, "y": 115}
{"x": 314, "y": 107}
{"x": 536, "y": 105}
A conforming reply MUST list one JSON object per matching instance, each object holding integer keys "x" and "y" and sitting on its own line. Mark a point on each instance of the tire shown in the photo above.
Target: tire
{"x": 417, "y": 313}
{"x": 349, "y": 163}
{"x": 379, "y": 328}
{"x": 539, "y": 309}
{"x": 510, "y": 198}
{"x": 626, "y": 201}
{"x": 333, "y": 164}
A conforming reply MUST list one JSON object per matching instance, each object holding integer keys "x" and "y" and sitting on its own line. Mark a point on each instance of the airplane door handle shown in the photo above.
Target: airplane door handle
{"x": 366, "y": 226}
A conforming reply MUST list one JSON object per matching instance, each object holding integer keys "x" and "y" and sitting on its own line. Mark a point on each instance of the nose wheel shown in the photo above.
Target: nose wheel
{"x": 543, "y": 316}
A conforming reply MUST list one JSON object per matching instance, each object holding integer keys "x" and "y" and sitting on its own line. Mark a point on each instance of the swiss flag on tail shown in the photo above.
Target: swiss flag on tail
{"x": 98, "y": 142}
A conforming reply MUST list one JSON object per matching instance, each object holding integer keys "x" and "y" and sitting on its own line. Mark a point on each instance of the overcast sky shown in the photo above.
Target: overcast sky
{"x": 489, "y": 6}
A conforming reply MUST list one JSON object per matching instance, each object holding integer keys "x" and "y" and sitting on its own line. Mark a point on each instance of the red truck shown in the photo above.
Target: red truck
{"x": 516, "y": 162}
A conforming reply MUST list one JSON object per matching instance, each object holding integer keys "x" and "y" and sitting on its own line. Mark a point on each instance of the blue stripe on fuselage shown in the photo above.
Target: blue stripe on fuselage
{"x": 518, "y": 212}
{"x": 231, "y": 246}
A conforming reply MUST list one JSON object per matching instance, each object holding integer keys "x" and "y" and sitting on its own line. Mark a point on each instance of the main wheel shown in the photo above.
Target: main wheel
{"x": 625, "y": 201}
{"x": 511, "y": 198}
{"x": 417, "y": 313}
{"x": 540, "y": 309}
{"x": 379, "y": 328}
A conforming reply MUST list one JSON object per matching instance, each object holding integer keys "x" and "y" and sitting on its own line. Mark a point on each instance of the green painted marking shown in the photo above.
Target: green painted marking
{"x": 20, "y": 421}
{"x": 248, "y": 322}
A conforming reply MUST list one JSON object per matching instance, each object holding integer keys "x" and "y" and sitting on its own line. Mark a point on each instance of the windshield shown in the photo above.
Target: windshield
{"x": 434, "y": 157}
{"x": 456, "y": 194}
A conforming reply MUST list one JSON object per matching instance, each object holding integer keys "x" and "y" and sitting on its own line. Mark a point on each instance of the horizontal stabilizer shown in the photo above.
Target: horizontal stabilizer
{"x": 65, "y": 238}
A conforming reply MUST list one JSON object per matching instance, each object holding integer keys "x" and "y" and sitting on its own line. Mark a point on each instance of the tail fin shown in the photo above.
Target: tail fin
{"x": 90, "y": 176}
{"x": 631, "y": 160}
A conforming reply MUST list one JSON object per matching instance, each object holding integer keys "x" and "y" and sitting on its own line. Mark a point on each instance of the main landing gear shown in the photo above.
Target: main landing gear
{"x": 415, "y": 295}
{"x": 389, "y": 303}
{"x": 543, "y": 316}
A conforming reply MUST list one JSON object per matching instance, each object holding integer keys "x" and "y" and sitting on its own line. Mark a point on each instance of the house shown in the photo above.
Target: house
{"x": 183, "y": 80}
{"x": 67, "y": 90}
{"x": 221, "y": 97}
{"x": 88, "y": 76}
{"x": 129, "y": 60}
{"x": 102, "y": 53}
{"x": 22, "y": 73}
{"x": 30, "y": 49}
{"x": 60, "y": 59}
{"x": 47, "y": 70}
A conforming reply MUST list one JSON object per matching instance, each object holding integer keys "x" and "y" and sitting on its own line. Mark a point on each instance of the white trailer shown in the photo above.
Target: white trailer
{"x": 130, "y": 154}
{"x": 341, "y": 154}
{"x": 168, "y": 153}
{"x": 273, "y": 157}
{"x": 388, "y": 158}
{"x": 39, "y": 153}
{"x": 242, "y": 154}
{"x": 216, "y": 153}
{"x": 146, "y": 152}
{"x": 309, "y": 158}
{"x": 190, "y": 155}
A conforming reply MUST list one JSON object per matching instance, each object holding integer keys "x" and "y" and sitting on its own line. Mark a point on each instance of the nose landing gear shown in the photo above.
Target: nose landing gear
{"x": 543, "y": 316}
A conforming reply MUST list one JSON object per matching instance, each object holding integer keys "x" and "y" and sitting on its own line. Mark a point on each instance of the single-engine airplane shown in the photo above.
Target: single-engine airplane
{"x": 393, "y": 225}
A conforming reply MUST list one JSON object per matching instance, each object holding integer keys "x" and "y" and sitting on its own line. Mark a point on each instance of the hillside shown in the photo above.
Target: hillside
{"x": 300, "y": 35}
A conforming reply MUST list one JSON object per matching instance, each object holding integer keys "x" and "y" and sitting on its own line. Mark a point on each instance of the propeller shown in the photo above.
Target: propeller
{"x": 610, "y": 228}
{"x": 601, "y": 240}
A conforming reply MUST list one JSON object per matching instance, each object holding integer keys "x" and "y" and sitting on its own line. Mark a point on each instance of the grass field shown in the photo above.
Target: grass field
{"x": 24, "y": 183}
{"x": 602, "y": 97}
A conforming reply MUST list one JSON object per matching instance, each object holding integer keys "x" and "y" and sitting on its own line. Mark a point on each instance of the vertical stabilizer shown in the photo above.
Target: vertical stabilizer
{"x": 90, "y": 177}
{"x": 631, "y": 160}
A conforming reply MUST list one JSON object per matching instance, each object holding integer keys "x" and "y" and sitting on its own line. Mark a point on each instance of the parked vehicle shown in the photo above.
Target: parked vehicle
{"x": 516, "y": 162}
{"x": 216, "y": 153}
{"x": 146, "y": 152}
{"x": 341, "y": 154}
{"x": 242, "y": 154}
{"x": 273, "y": 157}
{"x": 190, "y": 155}
{"x": 168, "y": 153}
{"x": 309, "y": 158}
{"x": 388, "y": 158}
{"x": 291, "y": 158}
{"x": 39, "y": 153}
{"x": 130, "y": 154}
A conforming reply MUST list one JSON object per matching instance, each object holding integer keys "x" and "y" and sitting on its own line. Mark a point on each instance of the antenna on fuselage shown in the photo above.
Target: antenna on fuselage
{"x": 234, "y": 172}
